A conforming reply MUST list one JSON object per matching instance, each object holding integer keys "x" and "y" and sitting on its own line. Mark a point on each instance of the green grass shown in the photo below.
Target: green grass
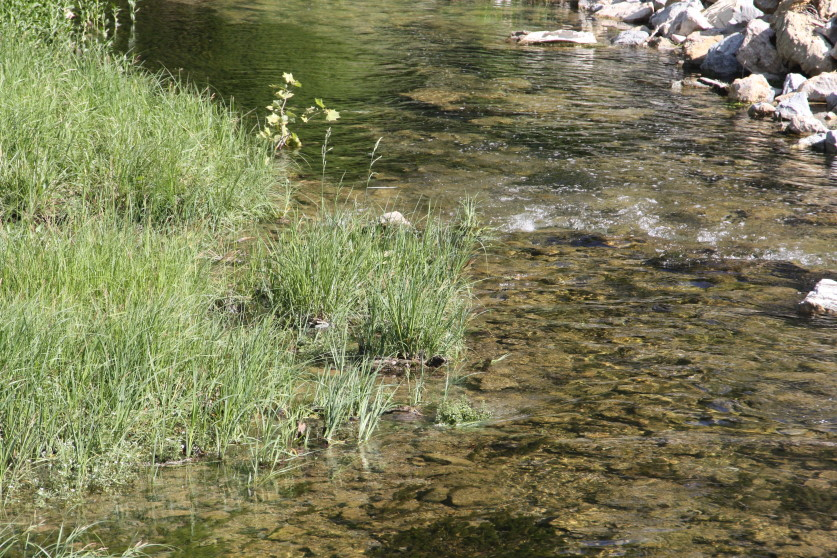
{"x": 125, "y": 342}
{"x": 76, "y": 543}
{"x": 86, "y": 133}
{"x": 399, "y": 291}
{"x": 113, "y": 353}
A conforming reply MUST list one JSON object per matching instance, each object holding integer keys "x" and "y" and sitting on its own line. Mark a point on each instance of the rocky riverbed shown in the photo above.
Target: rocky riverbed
{"x": 777, "y": 58}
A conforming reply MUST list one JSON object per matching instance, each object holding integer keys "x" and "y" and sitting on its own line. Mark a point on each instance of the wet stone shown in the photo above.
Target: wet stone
{"x": 470, "y": 496}
{"x": 447, "y": 459}
{"x": 288, "y": 533}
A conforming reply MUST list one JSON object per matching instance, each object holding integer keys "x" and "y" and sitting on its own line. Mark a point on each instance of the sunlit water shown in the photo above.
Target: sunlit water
{"x": 656, "y": 392}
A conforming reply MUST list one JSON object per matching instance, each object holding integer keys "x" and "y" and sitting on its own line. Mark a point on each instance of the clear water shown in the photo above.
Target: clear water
{"x": 655, "y": 391}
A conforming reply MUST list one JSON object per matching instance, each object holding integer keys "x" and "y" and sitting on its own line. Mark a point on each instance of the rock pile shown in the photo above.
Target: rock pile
{"x": 753, "y": 43}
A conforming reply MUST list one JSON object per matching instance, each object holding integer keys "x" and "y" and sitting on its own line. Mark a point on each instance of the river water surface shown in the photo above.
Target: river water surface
{"x": 654, "y": 391}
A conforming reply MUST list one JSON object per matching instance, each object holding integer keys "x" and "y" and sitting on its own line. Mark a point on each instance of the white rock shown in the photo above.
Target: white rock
{"x": 804, "y": 125}
{"x": 630, "y": 12}
{"x": 393, "y": 218}
{"x": 757, "y": 53}
{"x": 792, "y": 83}
{"x": 751, "y": 89}
{"x": 795, "y": 105}
{"x": 559, "y": 36}
{"x": 818, "y": 88}
{"x": 726, "y": 13}
{"x": 761, "y": 110}
{"x": 797, "y": 42}
{"x": 662, "y": 21}
{"x": 632, "y": 37}
{"x": 822, "y": 300}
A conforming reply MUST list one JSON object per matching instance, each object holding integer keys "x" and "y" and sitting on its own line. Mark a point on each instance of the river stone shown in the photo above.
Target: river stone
{"x": 720, "y": 59}
{"x": 757, "y": 53}
{"x": 820, "y": 87}
{"x": 629, "y": 12}
{"x": 469, "y": 496}
{"x": 751, "y": 89}
{"x": 393, "y": 218}
{"x": 795, "y": 105}
{"x": 726, "y": 13}
{"x": 804, "y": 125}
{"x": 797, "y": 42}
{"x": 688, "y": 21}
{"x": 663, "y": 21}
{"x": 767, "y": 6}
{"x": 830, "y": 142}
{"x": 823, "y": 299}
{"x": 829, "y": 31}
{"x": 560, "y": 36}
{"x": 632, "y": 37}
{"x": 761, "y": 110}
{"x": 815, "y": 142}
{"x": 443, "y": 459}
{"x": 792, "y": 83}
{"x": 698, "y": 44}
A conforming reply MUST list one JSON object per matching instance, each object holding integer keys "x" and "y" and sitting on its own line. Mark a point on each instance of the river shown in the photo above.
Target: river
{"x": 654, "y": 390}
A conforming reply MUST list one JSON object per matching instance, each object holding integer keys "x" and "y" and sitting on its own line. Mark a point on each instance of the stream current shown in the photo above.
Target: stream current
{"x": 654, "y": 390}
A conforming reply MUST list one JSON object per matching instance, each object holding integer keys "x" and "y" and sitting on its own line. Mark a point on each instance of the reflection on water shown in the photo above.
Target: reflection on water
{"x": 656, "y": 392}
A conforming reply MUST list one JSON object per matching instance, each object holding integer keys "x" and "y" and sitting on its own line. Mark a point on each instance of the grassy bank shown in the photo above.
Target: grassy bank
{"x": 136, "y": 331}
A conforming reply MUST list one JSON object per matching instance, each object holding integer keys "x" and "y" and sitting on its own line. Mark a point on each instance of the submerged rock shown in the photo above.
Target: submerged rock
{"x": 751, "y": 89}
{"x": 559, "y": 36}
{"x": 761, "y": 110}
{"x": 632, "y": 37}
{"x": 822, "y": 300}
{"x": 815, "y": 142}
{"x": 804, "y": 125}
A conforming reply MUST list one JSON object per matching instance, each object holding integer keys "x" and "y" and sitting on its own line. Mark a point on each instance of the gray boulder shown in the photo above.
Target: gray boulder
{"x": 663, "y": 20}
{"x": 805, "y": 125}
{"x": 632, "y": 37}
{"x": 561, "y": 36}
{"x": 823, "y": 299}
{"x": 688, "y": 21}
{"x": 797, "y": 42}
{"x": 757, "y": 53}
{"x": 720, "y": 60}
{"x": 761, "y": 110}
{"x": 630, "y": 12}
{"x": 726, "y": 13}
{"x": 795, "y": 105}
{"x": 818, "y": 88}
{"x": 792, "y": 83}
{"x": 751, "y": 89}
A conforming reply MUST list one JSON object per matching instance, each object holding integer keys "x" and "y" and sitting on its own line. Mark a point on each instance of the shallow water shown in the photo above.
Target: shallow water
{"x": 654, "y": 389}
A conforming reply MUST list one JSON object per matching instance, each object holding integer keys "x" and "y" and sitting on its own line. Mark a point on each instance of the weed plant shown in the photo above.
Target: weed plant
{"x": 460, "y": 412}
